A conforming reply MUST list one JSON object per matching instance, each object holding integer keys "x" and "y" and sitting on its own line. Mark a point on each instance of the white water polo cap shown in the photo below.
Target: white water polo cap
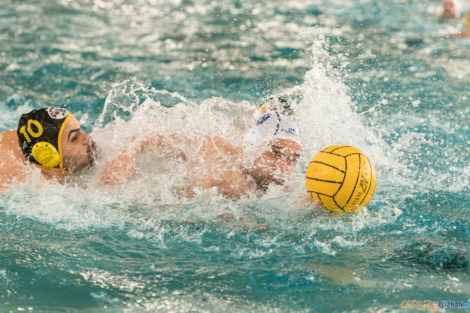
{"x": 270, "y": 126}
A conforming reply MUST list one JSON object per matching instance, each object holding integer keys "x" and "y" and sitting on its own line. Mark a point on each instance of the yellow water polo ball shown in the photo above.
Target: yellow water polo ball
{"x": 342, "y": 178}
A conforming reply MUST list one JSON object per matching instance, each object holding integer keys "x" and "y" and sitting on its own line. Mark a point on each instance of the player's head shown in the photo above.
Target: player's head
{"x": 451, "y": 8}
{"x": 272, "y": 148}
{"x": 276, "y": 163}
{"x": 52, "y": 138}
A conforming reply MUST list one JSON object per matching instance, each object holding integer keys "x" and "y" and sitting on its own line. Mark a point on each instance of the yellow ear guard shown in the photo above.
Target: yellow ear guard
{"x": 46, "y": 154}
{"x": 39, "y": 133}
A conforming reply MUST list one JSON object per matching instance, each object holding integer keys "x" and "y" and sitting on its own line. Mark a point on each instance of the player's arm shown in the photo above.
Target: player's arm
{"x": 227, "y": 184}
{"x": 122, "y": 168}
{"x": 456, "y": 35}
{"x": 465, "y": 32}
{"x": 169, "y": 144}
{"x": 225, "y": 146}
{"x": 11, "y": 171}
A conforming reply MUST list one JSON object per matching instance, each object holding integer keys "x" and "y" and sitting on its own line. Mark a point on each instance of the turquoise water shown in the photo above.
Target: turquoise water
{"x": 377, "y": 75}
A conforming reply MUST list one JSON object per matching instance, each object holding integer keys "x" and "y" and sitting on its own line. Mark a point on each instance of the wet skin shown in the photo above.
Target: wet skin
{"x": 448, "y": 9}
{"x": 276, "y": 164}
{"x": 221, "y": 166}
{"x": 78, "y": 150}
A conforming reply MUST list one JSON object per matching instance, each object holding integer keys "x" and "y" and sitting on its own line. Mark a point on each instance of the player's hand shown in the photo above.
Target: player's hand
{"x": 309, "y": 202}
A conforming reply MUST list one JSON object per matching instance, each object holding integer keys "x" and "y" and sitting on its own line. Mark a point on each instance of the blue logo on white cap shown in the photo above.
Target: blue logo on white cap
{"x": 263, "y": 119}
{"x": 291, "y": 131}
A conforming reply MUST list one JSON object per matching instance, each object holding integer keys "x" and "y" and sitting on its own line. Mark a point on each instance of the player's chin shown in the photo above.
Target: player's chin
{"x": 86, "y": 162}
{"x": 448, "y": 14}
{"x": 78, "y": 166}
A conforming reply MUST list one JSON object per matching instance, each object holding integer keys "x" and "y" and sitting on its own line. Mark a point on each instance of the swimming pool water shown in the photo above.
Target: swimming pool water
{"x": 377, "y": 75}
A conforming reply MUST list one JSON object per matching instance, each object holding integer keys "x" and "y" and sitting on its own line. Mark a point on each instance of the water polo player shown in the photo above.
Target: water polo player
{"x": 52, "y": 140}
{"x": 49, "y": 138}
{"x": 451, "y": 8}
{"x": 271, "y": 148}
{"x": 270, "y": 151}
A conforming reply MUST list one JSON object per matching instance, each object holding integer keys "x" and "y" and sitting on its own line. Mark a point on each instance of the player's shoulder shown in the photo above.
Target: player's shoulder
{"x": 9, "y": 138}
{"x": 9, "y": 149}
{"x": 12, "y": 162}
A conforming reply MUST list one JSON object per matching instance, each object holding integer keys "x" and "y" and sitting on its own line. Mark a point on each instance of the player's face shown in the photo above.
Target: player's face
{"x": 277, "y": 163}
{"x": 448, "y": 9}
{"x": 78, "y": 150}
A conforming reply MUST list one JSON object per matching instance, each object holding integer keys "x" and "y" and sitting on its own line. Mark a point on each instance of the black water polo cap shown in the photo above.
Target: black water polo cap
{"x": 39, "y": 133}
